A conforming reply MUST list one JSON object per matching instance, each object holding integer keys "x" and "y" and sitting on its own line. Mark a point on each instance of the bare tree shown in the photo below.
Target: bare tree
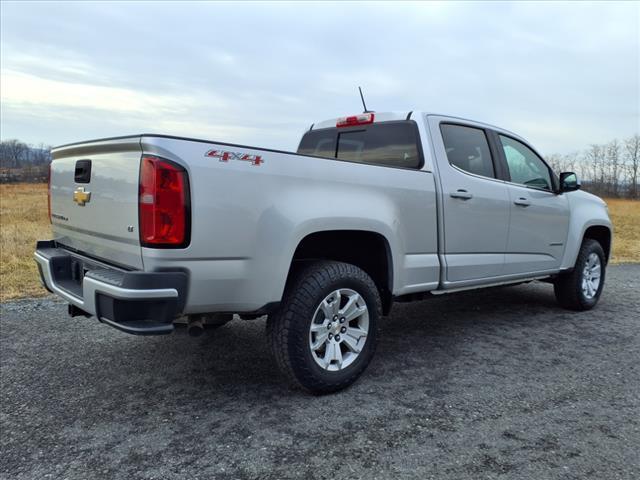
{"x": 41, "y": 154}
{"x": 595, "y": 161}
{"x": 613, "y": 165}
{"x": 632, "y": 148}
{"x": 562, "y": 163}
{"x": 13, "y": 153}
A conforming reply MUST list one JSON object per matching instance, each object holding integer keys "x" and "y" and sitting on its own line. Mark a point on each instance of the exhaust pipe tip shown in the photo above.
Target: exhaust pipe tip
{"x": 195, "y": 327}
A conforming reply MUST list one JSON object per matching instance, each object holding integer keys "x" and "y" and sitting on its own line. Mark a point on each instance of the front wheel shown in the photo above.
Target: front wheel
{"x": 324, "y": 333}
{"x": 581, "y": 288}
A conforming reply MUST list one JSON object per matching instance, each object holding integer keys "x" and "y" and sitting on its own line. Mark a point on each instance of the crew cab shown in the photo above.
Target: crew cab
{"x": 152, "y": 232}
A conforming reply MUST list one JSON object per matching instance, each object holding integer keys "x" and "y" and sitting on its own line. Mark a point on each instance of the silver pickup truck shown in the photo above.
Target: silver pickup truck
{"x": 153, "y": 231}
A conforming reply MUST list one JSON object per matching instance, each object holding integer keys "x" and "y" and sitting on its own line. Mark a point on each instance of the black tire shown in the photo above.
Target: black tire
{"x": 568, "y": 286}
{"x": 288, "y": 328}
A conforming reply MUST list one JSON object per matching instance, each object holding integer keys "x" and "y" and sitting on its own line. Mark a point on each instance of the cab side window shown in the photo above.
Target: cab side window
{"x": 525, "y": 167}
{"x": 468, "y": 149}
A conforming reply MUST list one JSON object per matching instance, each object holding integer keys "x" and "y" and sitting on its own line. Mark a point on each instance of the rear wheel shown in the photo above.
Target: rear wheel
{"x": 581, "y": 288}
{"x": 324, "y": 334}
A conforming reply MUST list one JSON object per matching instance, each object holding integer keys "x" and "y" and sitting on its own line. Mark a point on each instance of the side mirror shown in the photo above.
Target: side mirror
{"x": 569, "y": 182}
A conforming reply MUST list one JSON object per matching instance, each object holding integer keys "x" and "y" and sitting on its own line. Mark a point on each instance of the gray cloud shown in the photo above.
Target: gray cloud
{"x": 562, "y": 75}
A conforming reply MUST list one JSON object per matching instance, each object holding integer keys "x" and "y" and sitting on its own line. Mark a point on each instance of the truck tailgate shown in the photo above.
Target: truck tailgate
{"x": 94, "y": 199}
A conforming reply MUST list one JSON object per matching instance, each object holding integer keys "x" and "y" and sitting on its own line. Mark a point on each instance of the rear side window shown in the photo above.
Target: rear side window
{"x": 468, "y": 149}
{"x": 525, "y": 167}
{"x": 393, "y": 144}
{"x": 319, "y": 143}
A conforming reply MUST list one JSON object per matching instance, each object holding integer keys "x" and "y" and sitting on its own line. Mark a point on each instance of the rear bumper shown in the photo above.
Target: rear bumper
{"x": 141, "y": 303}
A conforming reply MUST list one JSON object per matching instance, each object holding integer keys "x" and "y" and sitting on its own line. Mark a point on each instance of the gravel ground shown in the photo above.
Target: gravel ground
{"x": 498, "y": 383}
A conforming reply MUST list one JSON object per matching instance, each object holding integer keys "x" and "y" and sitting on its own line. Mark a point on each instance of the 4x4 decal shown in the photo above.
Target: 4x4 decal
{"x": 226, "y": 156}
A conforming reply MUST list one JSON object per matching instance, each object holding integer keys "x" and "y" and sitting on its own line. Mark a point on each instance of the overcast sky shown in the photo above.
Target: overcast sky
{"x": 563, "y": 75}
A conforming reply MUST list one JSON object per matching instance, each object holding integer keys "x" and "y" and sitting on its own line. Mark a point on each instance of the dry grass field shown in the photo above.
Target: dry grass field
{"x": 23, "y": 220}
{"x": 625, "y": 215}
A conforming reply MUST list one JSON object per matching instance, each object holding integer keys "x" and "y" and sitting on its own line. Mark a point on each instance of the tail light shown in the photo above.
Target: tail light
{"x": 362, "y": 119}
{"x": 49, "y": 192}
{"x": 163, "y": 204}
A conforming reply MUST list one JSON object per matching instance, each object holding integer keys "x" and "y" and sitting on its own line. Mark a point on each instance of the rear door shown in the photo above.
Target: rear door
{"x": 475, "y": 202}
{"x": 94, "y": 199}
{"x": 539, "y": 216}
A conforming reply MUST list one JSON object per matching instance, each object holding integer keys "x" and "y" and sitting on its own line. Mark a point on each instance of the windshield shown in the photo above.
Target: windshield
{"x": 394, "y": 144}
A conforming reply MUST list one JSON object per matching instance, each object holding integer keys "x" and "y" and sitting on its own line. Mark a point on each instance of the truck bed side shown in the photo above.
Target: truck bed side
{"x": 248, "y": 218}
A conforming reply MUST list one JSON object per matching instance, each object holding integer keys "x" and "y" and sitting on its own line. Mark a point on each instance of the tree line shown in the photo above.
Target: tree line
{"x": 608, "y": 170}
{"x": 20, "y": 162}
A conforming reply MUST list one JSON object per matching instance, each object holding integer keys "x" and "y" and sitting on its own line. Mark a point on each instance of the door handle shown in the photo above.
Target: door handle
{"x": 461, "y": 194}
{"x": 523, "y": 202}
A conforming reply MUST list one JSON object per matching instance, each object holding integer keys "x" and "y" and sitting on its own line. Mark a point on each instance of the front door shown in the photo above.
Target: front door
{"x": 539, "y": 216}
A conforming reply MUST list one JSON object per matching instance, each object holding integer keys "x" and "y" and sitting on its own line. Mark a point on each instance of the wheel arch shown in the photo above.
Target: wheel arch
{"x": 602, "y": 234}
{"x": 366, "y": 249}
{"x": 598, "y": 231}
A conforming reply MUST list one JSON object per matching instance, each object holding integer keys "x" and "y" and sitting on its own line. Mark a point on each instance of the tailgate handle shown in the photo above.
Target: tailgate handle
{"x": 83, "y": 171}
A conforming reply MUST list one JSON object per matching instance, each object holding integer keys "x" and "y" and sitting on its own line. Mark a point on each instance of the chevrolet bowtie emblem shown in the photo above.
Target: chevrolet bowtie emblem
{"x": 81, "y": 197}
